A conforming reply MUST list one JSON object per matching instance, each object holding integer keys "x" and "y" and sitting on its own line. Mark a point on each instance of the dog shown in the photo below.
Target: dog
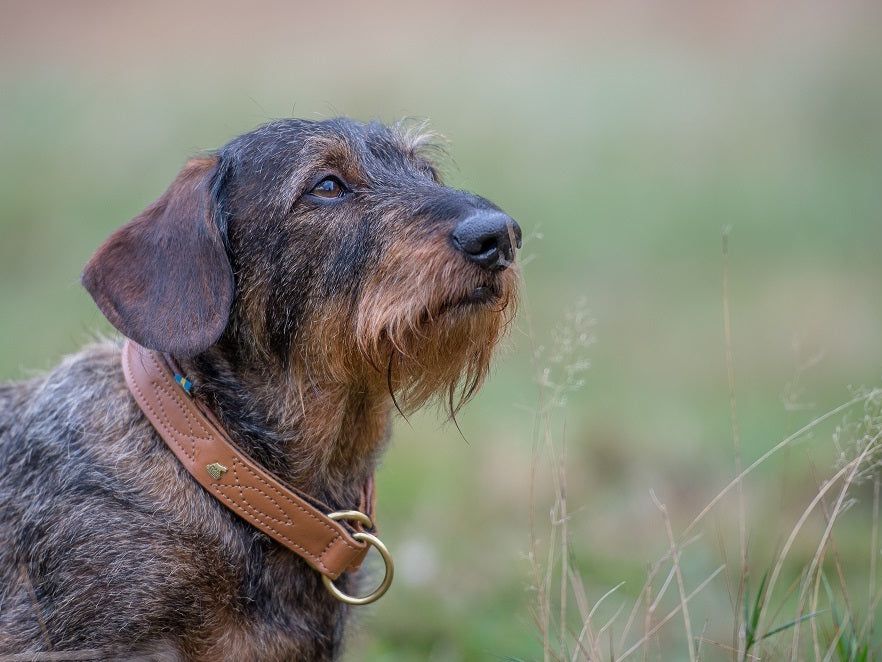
{"x": 309, "y": 278}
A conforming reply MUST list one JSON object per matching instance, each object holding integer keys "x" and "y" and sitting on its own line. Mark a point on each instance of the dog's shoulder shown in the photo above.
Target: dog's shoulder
{"x": 59, "y": 421}
{"x": 87, "y": 383}
{"x": 14, "y": 398}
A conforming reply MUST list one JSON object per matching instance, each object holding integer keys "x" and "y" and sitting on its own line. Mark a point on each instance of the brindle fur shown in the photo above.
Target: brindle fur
{"x": 329, "y": 314}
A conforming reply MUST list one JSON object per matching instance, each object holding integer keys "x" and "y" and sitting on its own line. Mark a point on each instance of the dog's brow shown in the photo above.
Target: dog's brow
{"x": 322, "y": 153}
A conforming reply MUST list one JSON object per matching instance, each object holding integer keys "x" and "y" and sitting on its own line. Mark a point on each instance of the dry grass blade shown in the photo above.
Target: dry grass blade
{"x": 663, "y": 589}
{"x": 645, "y": 593}
{"x": 840, "y": 575}
{"x": 574, "y": 337}
{"x": 769, "y": 453}
{"x": 868, "y": 627}
{"x": 585, "y": 612}
{"x": 822, "y": 545}
{"x": 606, "y": 626}
{"x": 586, "y": 625}
{"x": 676, "y": 610}
{"x": 772, "y": 451}
{"x": 739, "y": 628}
{"x": 604, "y": 597}
{"x": 785, "y": 550}
{"x": 562, "y": 517}
{"x": 675, "y": 557}
{"x": 730, "y": 649}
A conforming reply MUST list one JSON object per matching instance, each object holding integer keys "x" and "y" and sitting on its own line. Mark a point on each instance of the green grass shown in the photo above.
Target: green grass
{"x": 629, "y": 154}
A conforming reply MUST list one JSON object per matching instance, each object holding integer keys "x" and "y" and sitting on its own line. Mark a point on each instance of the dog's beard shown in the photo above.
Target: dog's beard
{"x": 435, "y": 340}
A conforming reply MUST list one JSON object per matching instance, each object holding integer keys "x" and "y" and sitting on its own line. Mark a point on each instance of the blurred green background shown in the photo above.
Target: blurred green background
{"x": 624, "y": 137}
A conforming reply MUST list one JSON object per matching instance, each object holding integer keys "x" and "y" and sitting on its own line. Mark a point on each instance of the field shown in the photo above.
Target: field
{"x": 650, "y": 154}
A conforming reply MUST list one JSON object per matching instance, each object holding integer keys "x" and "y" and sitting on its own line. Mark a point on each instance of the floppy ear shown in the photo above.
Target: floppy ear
{"x": 164, "y": 279}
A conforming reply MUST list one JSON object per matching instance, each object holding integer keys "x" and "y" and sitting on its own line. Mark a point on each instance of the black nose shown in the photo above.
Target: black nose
{"x": 488, "y": 238}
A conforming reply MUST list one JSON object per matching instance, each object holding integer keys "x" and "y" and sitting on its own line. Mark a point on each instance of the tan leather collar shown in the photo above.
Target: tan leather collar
{"x": 294, "y": 520}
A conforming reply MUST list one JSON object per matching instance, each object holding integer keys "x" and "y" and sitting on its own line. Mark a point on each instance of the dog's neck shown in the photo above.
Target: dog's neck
{"x": 319, "y": 436}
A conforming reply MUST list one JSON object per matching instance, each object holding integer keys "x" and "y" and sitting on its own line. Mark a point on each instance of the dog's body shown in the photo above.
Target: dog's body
{"x": 123, "y": 550}
{"x": 308, "y": 277}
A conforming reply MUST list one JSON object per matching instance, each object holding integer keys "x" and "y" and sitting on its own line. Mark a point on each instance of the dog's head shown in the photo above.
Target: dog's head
{"x": 332, "y": 246}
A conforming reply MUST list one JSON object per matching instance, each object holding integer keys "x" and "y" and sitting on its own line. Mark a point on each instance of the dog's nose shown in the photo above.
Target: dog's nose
{"x": 488, "y": 238}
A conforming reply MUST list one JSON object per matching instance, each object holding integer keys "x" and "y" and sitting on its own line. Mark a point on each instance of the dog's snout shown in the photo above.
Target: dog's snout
{"x": 488, "y": 238}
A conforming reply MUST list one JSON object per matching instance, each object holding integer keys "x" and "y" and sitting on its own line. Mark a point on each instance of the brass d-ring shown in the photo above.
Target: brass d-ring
{"x": 363, "y": 536}
{"x": 352, "y": 515}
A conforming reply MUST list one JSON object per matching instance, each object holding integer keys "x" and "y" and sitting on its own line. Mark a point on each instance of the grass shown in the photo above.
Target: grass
{"x": 760, "y": 627}
{"x": 821, "y": 626}
{"x": 627, "y": 143}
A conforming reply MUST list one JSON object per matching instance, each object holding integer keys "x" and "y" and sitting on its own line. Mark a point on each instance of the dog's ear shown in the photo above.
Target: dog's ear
{"x": 164, "y": 279}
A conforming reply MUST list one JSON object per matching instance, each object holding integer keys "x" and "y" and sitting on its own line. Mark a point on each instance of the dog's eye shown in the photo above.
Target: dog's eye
{"x": 329, "y": 187}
